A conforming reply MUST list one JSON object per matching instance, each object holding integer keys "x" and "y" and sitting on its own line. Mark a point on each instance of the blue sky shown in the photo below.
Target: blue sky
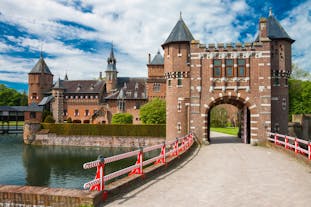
{"x": 76, "y": 35}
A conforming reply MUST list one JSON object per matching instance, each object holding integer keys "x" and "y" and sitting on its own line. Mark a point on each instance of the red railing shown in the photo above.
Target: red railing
{"x": 292, "y": 143}
{"x": 177, "y": 146}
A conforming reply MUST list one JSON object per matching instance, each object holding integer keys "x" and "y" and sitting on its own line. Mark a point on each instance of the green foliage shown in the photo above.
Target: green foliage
{"x": 153, "y": 112}
{"x": 299, "y": 97}
{"x": 219, "y": 117}
{"x": 300, "y": 74}
{"x": 69, "y": 120}
{"x": 107, "y": 129}
{"x": 122, "y": 118}
{"x": 49, "y": 119}
{"x": 45, "y": 114}
{"x": 11, "y": 97}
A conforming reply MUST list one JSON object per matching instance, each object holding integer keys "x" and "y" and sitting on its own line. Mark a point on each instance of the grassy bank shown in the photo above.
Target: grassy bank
{"x": 231, "y": 131}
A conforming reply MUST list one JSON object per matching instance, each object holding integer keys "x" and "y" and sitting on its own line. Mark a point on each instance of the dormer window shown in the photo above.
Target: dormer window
{"x": 92, "y": 86}
{"x": 79, "y": 87}
{"x": 136, "y": 86}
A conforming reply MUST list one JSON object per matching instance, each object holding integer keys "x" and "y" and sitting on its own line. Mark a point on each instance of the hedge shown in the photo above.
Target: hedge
{"x": 156, "y": 130}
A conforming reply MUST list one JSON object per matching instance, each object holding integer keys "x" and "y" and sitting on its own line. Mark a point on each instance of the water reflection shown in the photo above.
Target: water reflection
{"x": 53, "y": 166}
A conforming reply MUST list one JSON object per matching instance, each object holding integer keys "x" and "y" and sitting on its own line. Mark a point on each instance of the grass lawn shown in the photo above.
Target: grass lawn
{"x": 231, "y": 131}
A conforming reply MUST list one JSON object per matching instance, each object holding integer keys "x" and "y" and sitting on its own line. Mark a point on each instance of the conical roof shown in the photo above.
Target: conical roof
{"x": 275, "y": 30}
{"x": 41, "y": 67}
{"x": 158, "y": 59}
{"x": 180, "y": 33}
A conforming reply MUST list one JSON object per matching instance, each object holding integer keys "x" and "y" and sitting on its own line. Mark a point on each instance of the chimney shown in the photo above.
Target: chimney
{"x": 100, "y": 75}
{"x": 263, "y": 29}
{"x": 149, "y": 58}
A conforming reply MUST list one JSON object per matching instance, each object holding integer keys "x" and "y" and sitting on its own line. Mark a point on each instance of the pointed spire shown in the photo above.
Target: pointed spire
{"x": 158, "y": 59}
{"x": 180, "y": 15}
{"x": 41, "y": 66}
{"x": 66, "y": 77}
{"x": 275, "y": 29}
{"x": 270, "y": 11}
{"x": 180, "y": 33}
{"x": 58, "y": 84}
{"x": 111, "y": 60}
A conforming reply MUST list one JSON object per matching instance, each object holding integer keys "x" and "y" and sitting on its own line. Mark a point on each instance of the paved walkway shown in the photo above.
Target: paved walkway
{"x": 227, "y": 173}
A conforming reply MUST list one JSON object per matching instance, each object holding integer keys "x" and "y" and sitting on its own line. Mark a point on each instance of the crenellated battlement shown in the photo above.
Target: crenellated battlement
{"x": 228, "y": 47}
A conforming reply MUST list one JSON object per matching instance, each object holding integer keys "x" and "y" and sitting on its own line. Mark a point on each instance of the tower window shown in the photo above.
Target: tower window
{"x": 241, "y": 67}
{"x": 156, "y": 87}
{"x": 87, "y": 112}
{"x": 169, "y": 82}
{"x": 284, "y": 104}
{"x": 229, "y": 68}
{"x": 76, "y": 112}
{"x": 179, "y": 79}
{"x": 34, "y": 96}
{"x": 217, "y": 68}
{"x": 179, "y": 106}
{"x": 276, "y": 78}
{"x": 121, "y": 105}
{"x": 178, "y": 127}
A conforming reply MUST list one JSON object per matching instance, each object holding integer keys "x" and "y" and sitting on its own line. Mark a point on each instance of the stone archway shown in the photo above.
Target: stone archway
{"x": 245, "y": 108}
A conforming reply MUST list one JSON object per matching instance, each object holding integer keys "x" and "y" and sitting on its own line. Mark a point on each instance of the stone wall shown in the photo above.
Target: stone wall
{"x": 23, "y": 196}
{"x": 102, "y": 141}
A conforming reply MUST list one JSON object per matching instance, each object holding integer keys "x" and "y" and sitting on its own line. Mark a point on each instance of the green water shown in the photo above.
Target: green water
{"x": 53, "y": 166}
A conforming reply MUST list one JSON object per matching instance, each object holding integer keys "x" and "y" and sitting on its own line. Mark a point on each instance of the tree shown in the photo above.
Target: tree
{"x": 11, "y": 97}
{"x": 153, "y": 112}
{"x": 219, "y": 117}
{"x": 49, "y": 119}
{"x": 300, "y": 74}
{"x": 122, "y": 118}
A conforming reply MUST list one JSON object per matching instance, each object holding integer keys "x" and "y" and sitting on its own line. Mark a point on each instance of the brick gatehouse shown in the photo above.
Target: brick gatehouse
{"x": 251, "y": 76}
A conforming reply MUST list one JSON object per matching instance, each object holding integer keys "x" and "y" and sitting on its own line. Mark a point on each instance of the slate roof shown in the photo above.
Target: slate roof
{"x": 180, "y": 33}
{"x": 275, "y": 30}
{"x": 32, "y": 108}
{"x": 129, "y": 88}
{"x": 158, "y": 59}
{"x": 45, "y": 100}
{"x": 81, "y": 86}
{"x": 40, "y": 67}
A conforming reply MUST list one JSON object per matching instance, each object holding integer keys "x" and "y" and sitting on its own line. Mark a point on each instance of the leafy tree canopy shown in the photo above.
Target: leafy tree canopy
{"x": 153, "y": 112}
{"x": 11, "y": 97}
{"x": 122, "y": 118}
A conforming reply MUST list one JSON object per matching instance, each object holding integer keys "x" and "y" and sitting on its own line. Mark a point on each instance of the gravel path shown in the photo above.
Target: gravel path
{"x": 227, "y": 173}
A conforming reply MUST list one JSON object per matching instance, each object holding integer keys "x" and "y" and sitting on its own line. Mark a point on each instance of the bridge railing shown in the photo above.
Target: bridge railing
{"x": 174, "y": 147}
{"x": 300, "y": 146}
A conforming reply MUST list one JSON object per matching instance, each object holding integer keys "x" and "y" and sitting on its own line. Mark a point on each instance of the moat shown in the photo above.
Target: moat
{"x": 53, "y": 166}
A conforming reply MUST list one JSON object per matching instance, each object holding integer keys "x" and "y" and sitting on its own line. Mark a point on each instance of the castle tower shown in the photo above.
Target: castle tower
{"x": 177, "y": 73}
{"x": 156, "y": 83}
{"x": 40, "y": 81}
{"x": 58, "y": 103}
{"x": 111, "y": 72}
{"x": 281, "y": 62}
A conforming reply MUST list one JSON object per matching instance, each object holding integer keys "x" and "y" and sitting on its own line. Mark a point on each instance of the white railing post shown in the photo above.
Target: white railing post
{"x": 309, "y": 150}
{"x": 296, "y": 146}
{"x": 275, "y": 138}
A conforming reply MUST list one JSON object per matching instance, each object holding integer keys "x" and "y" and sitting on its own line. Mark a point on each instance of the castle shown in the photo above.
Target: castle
{"x": 192, "y": 77}
{"x": 88, "y": 101}
{"x": 251, "y": 76}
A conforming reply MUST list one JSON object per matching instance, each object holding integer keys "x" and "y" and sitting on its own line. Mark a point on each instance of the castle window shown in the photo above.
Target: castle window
{"x": 169, "y": 82}
{"x": 229, "y": 68}
{"x": 179, "y": 106}
{"x": 121, "y": 105}
{"x": 76, "y": 112}
{"x": 276, "y": 78}
{"x": 217, "y": 68}
{"x": 32, "y": 115}
{"x": 156, "y": 87}
{"x": 34, "y": 96}
{"x": 179, "y": 79}
{"x": 286, "y": 82}
{"x": 65, "y": 112}
{"x": 178, "y": 127}
{"x": 284, "y": 104}
{"x": 86, "y": 112}
{"x": 241, "y": 67}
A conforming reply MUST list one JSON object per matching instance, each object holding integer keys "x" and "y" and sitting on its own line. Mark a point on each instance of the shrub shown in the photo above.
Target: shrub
{"x": 157, "y": 130}
{"x": 122, "y": 118}
{"x": 49, "y": 119}
{"x": 153, "y": 112}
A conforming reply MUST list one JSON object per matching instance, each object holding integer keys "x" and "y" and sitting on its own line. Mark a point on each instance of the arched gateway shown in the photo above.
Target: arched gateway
{"x": 251, "y": 76}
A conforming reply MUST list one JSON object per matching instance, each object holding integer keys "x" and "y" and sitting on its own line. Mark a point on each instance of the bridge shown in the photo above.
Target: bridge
{"x": 230, "y": 173}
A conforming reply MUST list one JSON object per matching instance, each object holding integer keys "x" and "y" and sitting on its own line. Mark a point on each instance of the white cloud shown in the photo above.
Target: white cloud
{"x": 298, "y": 26}
{"x": 135, "y": 27}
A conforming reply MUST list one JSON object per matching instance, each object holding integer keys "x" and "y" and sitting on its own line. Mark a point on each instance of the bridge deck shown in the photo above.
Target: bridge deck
{"x": 227, "y": 174}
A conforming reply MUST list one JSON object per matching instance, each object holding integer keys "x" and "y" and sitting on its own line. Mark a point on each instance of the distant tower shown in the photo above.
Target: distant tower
{"x": 40, "y": 81}
{"x": 177, "y": 73}
{"x": 111, "y": 72}
{"x": 275, "y": 38}
{"x": 58, "y": 103}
